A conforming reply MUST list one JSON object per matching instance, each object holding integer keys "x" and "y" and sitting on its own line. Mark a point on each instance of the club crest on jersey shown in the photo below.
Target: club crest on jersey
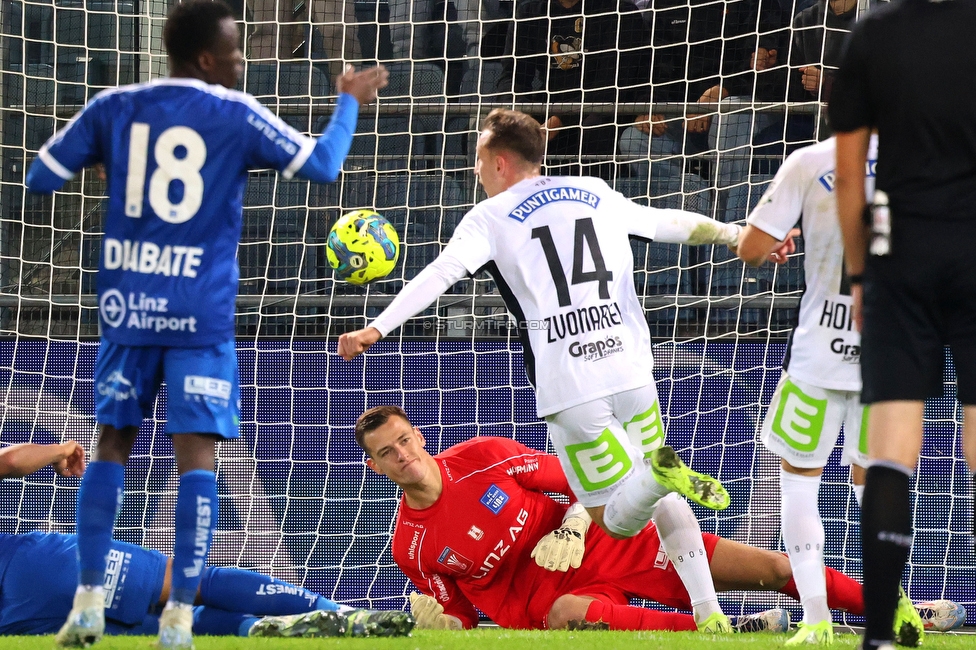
{"x": 494, "y": 499}
{"x": 551, "y": 195}
{"x": 454, "y": 560}
{"x": 476, "y": 533}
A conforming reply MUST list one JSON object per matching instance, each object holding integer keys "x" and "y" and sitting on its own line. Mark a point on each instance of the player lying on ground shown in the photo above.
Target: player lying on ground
{"x": 39, "y": 578}
{"x": 67, "y": 459}
{"x": 559, "y": 249}
{"x": 472, "y": 517}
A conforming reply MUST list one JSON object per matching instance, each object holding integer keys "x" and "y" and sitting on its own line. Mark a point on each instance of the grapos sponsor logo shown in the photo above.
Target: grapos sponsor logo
{"x": 598, "y": 350}
{"x": 849, "y": 353}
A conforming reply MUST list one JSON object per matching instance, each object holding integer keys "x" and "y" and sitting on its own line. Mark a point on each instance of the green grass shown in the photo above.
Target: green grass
{"x": 498, "y": 639}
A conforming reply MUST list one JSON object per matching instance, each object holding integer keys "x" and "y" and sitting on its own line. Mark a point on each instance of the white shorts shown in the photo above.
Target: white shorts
{"x": 804, "y": 421}
{"x": 601, "y": 443}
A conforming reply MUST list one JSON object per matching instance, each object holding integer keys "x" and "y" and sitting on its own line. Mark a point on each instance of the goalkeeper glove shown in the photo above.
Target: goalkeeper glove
{"x": 563, "y": 547}
{"x": 430, "y": 614}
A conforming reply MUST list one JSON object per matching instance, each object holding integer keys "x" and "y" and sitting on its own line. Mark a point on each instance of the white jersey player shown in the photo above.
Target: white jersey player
{"x": 819, "y": 390}
{"x": 558, "y": 248}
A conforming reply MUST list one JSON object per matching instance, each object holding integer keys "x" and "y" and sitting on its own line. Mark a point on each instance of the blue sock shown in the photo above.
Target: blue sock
{"x": 196, "y": 518}
{"x": 99, "y": 498}
{"x": 213, "y": 621}
{"x": 237, "y": 590}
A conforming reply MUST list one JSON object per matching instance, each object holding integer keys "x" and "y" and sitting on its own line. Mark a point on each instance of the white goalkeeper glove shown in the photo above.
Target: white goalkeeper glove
{"x": 563, "y": 547}
{"x": 430, "y": 614}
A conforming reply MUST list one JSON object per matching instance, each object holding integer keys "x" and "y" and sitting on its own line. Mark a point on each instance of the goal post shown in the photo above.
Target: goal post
{"x": 296, "y": 500}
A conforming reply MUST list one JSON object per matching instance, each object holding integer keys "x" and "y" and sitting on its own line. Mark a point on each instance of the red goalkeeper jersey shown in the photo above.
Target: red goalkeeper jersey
{"x": 473, "y": 546}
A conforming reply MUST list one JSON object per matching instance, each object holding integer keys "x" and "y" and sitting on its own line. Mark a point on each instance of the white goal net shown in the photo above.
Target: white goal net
{"x": 296, "y": 499}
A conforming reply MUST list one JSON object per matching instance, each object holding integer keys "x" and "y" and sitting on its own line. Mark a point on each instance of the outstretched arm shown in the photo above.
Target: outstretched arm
{"x": 67, "y": 458}
{"x": 672, "y": 226}
{"x": 429, "y": 284}
{"x": 756, "y": 246}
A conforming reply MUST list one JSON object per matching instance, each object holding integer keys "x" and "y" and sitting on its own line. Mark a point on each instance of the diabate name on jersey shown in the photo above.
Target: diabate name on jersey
{"x": 147, "y": 257}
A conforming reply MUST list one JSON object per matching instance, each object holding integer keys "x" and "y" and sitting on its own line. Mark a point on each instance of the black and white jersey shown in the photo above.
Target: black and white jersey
{"x": 559, "y": 249}
{"x": 826, "y": 347}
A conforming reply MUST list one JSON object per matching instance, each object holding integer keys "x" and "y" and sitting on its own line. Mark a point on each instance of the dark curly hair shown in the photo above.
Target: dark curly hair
{"x": 193, "y": 27}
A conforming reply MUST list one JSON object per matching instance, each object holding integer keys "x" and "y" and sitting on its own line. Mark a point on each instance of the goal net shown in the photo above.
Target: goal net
{"x": 296, "y": 500}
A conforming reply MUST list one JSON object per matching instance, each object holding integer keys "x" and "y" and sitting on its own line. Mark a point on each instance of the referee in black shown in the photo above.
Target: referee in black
{"x": 909, "y": 71}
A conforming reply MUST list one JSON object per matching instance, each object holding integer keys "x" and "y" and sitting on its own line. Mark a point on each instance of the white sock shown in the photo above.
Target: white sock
{"x": 632, "y": 503}
{"x": 859, "y": 493}
{"x": 88, "y": 596}
{"x": 681, "y": 539}
{"x": 803, "y": 536}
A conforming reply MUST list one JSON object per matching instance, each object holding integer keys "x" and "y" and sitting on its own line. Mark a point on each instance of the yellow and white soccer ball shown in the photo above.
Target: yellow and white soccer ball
{"x": 362, "y": 247}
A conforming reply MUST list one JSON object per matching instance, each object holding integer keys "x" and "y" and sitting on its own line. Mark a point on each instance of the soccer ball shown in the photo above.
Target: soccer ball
{"x": 362, "y": 247}
{"x": 941, "y": 615}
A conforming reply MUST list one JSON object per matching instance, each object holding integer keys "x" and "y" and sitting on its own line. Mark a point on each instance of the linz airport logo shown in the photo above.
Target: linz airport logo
{"x": 596, "y": 351}
{"x": 494, "y": 499}
{"x": 454, "y": 560}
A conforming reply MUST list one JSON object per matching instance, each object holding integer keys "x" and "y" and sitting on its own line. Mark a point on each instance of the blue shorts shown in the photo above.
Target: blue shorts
{"x": 38, "y": 585}
{"x": 204, "y": 390}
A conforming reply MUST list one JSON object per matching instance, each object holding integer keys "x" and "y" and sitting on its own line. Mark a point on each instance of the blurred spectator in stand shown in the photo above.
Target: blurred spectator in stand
{"x": 705, "y": 53}
{"x": 591, "y": 51}
{"x": 446, "y": 30}
{"x": 818, "y": 37}
{"x": 279, "y": 30}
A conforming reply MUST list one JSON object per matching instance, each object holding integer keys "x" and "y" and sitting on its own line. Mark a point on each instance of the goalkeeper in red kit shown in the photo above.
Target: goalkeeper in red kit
{"x": 476, "y": 528}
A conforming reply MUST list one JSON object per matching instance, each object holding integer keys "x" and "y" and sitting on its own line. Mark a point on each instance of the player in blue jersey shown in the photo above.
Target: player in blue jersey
{"x": 37, "y": 580}
{"x": 176, "y": 153}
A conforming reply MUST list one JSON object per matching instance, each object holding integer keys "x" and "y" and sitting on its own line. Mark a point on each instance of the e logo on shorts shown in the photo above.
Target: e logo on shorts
{"x": 645, "y": 430}
{"x": 600, "y": 463}
{"x": 799, "y": 419}
{"x": 862, "y": 441}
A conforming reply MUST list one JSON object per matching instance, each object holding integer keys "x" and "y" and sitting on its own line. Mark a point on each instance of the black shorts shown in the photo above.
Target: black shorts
{"x": 917, "y": 301}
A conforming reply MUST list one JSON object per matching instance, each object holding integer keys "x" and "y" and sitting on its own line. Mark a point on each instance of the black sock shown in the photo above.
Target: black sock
{"x": 886, "y": 538}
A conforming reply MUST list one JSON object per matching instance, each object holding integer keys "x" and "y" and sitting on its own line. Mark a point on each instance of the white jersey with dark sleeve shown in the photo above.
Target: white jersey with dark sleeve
{"x": 825, "y": 348}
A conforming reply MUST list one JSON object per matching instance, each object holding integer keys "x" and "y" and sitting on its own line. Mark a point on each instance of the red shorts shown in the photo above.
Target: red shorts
{"x": 613, "y": 570}
{"x": 616, "y": 570}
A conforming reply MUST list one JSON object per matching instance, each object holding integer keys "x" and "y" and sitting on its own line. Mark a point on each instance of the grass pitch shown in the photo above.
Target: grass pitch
{"x": 498, "y": 639}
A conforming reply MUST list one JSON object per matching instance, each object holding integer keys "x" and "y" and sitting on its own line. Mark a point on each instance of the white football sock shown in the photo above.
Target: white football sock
{"x": 681, "y": 539}
{"x": 803, "y": 536}
{"x": 858, "y": 493}
{"x": 632, "y": 503}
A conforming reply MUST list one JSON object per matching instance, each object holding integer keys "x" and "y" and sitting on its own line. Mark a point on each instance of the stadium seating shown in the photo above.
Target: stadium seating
{"x": 400, "y": 142}
{"x": 288, "y": 83}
